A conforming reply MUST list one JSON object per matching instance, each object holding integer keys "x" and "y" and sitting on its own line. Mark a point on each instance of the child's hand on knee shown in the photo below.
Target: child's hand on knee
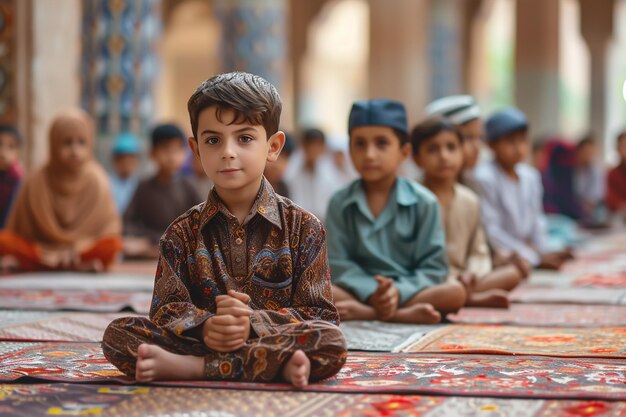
{"x": 385, "y": 299}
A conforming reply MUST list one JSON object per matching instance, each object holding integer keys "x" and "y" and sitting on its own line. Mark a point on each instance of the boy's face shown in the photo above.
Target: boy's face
{"x": 472, "y": 141}
{"x": 9, "y": 150}
{"x": 510, "y": 149}
{"x": 233, "y": 155}
{"x": 313, "y": 151}
{"x": 376, "y": 152}
{"x": 125, "y": 165}
{"x": 586, "y": 154}
{"x": 169, "y": 156}
{"x": 441, "y": 157}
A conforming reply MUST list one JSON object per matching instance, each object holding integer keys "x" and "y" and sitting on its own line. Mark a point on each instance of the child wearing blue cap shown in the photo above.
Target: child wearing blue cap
{"x": 512, "y": 194}
{"x": 386, "y": 244}
{"x": 124, "y": 178}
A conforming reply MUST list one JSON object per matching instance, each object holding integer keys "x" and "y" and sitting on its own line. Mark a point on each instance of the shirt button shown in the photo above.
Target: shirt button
{"x": 238, "y": 259}
{"x": 238, "y": 241}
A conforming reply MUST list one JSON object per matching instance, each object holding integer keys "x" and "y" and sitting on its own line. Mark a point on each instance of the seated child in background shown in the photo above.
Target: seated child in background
{"x": 511, "y": 194}
{"x": 590, "y": 181}
{"x": 242, "y": 290}
{"x": 64, "y": 217}
{"x": 310, "y": 184}
{"x": 438, "y": 150}
{"x": 275, "y": 171}
{"x": 124, "y": 178}
{"x": 160, "y": 199}
{"x": 464, "y": 113}
{"x": 386, "y": 244}
{"x": 616, "y": 181}
{"x": 10, "y": 172}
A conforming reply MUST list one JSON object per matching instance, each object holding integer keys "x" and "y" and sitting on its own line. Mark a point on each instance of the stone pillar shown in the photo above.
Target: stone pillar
{"x": 119, "y": 63}
{"x": 399, "y": 56}
{"x": 475, "y": 14}
{"x": 254, "y": 39}
{"x": 597, "y": 29}
{"x": 537, "y": 64}
{"x": 446, "y": 42}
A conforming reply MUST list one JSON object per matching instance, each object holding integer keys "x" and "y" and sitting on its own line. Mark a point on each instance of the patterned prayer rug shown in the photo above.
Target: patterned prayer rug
{"x": 377, "y": 336}
{"x": 468, "y": 375}
{"x": 565, "y": 315}
{"x": 136, "y": 401}
{"x": 62, "y": 327}
{"x": 79, "y": 281}
{"x": 80, "y": 300}
{"x": 601, "y": 280}
{"x": 577, "y": 295}
{"x": 608, "y": 342}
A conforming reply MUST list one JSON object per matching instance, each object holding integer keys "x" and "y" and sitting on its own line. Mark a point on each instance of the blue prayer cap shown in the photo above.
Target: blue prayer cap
{"x": 126, "y": 144}
{"x": 378, "y": 112}
{"x": 504, "y": 122}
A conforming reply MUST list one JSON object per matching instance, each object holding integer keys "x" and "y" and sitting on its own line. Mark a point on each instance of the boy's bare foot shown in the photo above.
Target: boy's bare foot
{"x": 156, "y": 364}
{"x": 495, "y": 298}
{"x": 420, "y": 313}
{"x": 355, "y": 310}
{"x": 297, "y": 369}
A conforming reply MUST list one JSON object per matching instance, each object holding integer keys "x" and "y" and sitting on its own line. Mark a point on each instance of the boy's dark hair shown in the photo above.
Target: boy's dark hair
{"x": 11, "y": 130}
{"x": 289, "y": 146}
{"x": 253, "y": 99}
{"x": 313, "y": 135}
{"x": 402, "y": 136}
{"x": 166, "y": 133}
{"x": 587, "y": 140}
{"x": 430, "y": 128}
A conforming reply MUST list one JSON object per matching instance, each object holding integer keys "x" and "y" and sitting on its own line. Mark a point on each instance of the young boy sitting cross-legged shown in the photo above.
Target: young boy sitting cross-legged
{"x": 386, "y": 244}
{"x": 438, "y": 150}
{"x": 242, "y": 290}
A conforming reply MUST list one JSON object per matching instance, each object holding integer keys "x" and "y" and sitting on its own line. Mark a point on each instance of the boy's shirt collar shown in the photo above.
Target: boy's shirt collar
{"x": 265, "y": 204}
{"x": 402, "y": 193}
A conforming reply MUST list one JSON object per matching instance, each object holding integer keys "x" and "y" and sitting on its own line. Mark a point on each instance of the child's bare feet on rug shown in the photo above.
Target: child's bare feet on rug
{"x": 495, "y": 298}
{"x": 297, "y": 369}
{"x": 420, "y": 313}
{"x": 156, "y": 364}
{"x": 355, "y": 310}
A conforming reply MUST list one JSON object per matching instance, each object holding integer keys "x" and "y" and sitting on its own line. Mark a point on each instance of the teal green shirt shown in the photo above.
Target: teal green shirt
{"x": 405, "y": 242}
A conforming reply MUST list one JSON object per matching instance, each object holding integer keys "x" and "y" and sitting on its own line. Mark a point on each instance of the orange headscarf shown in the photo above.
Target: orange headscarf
{"x": 63, "y": 206}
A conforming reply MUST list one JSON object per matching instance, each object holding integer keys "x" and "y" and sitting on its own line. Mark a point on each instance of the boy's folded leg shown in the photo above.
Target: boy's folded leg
{"x": 123, "y": 336}
{"x": 260, "y": 359}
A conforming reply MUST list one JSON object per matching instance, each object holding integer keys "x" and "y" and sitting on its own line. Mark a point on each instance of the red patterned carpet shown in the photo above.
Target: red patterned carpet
{"x": 598, "y": 342}
{"x": 141, "y": 401}
{"x": 476, "y": 375}
{"x": 564, "y": 355}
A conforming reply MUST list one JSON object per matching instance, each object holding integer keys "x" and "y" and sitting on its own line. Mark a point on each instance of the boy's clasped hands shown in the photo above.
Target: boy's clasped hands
{"x": 385, "y": 299}
{"x": 229, "y": 329}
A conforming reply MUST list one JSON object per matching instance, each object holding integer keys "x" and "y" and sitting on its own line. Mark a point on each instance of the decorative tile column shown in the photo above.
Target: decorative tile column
{"x": 254, "y": 37}
{"x": 119, "y": 62}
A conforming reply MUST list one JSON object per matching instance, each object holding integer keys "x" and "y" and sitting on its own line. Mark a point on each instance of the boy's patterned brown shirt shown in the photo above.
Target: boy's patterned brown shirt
{"x": 277, "y": 256}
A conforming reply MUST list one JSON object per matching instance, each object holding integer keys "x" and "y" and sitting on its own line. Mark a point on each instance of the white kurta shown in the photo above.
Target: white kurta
{"x": 512, "y": 210}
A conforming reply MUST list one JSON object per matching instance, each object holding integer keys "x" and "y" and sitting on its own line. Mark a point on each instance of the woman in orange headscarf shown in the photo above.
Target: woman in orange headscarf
{"x": 64, "y": 217}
